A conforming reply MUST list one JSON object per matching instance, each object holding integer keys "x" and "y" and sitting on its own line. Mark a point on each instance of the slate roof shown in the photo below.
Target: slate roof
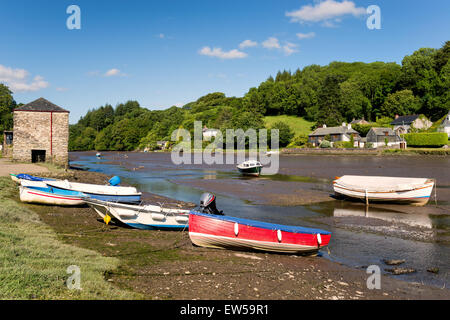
{"x": 359, "y": 121}
{"x": 405, "y": 120}
{"x": 41, "y": 105}
{"x": 332, "y": 130}
{"x": 381, "y": 131}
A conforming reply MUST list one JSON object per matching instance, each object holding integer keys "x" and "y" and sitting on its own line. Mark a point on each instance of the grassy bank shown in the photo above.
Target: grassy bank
{"x": 297, "y": 124}
{"x": 33, "y": 261}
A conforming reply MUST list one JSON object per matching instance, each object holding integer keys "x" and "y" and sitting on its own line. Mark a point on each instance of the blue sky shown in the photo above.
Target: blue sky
{"x": 165, "y": 53}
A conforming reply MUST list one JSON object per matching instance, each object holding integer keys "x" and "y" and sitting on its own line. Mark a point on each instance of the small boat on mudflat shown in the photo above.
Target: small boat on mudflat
{"x": 208, "y": 228}
{"x": 100, "y": 192}
{"x": 51, "y": 196}
{"x": 21, "y": 176}
{"x": 250, "y": 168}
{"x": 415, "y": 191}
{"x": 142, "y": 216}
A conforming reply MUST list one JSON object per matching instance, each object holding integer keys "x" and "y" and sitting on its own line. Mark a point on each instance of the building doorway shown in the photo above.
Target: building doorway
{"x": 37, "y": 156}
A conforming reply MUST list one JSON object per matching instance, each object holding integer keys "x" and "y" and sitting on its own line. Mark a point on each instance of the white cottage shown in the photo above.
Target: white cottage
{"x": 445, "y": 125}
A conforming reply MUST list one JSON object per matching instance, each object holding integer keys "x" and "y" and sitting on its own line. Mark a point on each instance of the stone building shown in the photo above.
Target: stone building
{"x": 342, "y": 133}
{"x": 407, "y": 124}
{"x": 41, "y": 133}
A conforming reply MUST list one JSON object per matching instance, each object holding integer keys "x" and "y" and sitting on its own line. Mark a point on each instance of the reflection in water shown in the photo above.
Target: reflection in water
{"x": 412, "y": 219}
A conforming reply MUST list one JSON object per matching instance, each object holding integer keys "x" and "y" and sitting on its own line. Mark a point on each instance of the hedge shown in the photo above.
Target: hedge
{"x": 431, "y": 140}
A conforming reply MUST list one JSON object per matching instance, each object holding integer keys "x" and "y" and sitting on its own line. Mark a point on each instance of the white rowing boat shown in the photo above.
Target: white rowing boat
{"x": 50, "y": 196}
{"x": 416, "y": 191}
{"x": 142, "y": 216}
{"x": 100, "y": 192}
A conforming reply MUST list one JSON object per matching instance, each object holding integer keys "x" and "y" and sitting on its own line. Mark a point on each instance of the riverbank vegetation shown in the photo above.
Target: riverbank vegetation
{"x": 34, "y": 260}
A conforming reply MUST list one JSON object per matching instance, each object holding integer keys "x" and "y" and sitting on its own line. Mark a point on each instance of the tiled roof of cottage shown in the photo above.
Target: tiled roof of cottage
{"x": 332, "y": 130}
{"x": 405, "y": 120}
{"x": 41, "y": 105}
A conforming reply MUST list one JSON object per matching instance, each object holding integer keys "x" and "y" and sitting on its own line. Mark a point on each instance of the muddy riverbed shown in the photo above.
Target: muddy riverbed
{"x": 301, "y": 195}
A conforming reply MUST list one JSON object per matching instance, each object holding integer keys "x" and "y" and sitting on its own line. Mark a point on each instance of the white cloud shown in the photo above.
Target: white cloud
{"x": 271, "y": 43}
{"x": 219, "y": 53}
{"x": 289, "y": 48}
{"x": 309, "y": 35}
{"x": 161, "y": 36}
{"x": 325, "y": 11}
{"x": 248, "y": 44}
{"x": 61, "y": 89}
{"x": 112, "y": 72}
{"x": 18, "y": 80}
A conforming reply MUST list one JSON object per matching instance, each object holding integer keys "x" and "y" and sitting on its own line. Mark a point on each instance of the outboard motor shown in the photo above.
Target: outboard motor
{"x": 208, "y": 204}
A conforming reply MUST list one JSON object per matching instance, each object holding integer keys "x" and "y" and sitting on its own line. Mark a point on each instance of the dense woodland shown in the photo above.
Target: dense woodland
{"x": 331, "y": 94}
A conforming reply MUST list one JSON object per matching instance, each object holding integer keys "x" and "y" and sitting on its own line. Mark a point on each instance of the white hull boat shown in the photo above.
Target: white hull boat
{"x": 416, "y": 191}
{"x": 142, "y": 216}
{"x": 100, "y": 192}
{"x": 250, "y": 168}
{"x": 46, "y": 195}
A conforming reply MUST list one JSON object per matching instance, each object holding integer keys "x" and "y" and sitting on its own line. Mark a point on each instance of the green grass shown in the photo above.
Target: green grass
{"x": 299, "y": 125}
{"x": 33, "y": 261}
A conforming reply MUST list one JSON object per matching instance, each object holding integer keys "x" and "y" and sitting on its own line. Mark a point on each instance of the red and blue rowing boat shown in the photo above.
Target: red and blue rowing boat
{"x": 218, "y": 231}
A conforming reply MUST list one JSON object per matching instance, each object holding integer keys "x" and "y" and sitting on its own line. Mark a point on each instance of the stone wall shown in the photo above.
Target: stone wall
{"x": 32, "y": 131}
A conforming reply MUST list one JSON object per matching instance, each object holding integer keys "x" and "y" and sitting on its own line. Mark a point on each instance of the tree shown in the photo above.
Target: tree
{"x": 400, "y": 103}
{"x": 7, "y": 105}
{"x": 285, "y": 133}
{"x": 329, "y": 100}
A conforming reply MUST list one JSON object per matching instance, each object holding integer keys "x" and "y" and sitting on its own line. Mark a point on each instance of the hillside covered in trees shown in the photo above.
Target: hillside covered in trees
{"x": 331, "y": 94}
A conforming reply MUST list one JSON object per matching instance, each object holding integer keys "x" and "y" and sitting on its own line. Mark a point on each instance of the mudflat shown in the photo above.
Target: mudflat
{"x": 165, "y": 265}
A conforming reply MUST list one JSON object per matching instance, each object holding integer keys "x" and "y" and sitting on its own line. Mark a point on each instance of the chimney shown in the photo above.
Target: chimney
{"x": 344, "y": 124}
{"x": 349, "y": 126}
{"x": 396, "y": 116}
{"x": 324, "y": 125}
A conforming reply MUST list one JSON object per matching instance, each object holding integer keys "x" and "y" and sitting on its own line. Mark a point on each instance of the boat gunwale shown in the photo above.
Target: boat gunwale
{"x": 106, "y": 204}
{"x": 426, "y": 185}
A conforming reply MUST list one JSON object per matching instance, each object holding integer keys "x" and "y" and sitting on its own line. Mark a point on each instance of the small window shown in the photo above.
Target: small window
{"x": 9, "y": 138}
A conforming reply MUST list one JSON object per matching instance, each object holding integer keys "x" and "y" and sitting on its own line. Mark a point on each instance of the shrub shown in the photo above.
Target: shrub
{"x": 431, "y": 140}
{"x": 299, "y": 141}
{"x": 325, "y": 144}
{"x": 362, "y": 129}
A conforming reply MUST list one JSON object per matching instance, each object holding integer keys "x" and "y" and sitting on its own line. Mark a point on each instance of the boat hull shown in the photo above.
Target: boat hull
{"x": 254, "y": 171}
{"x": 418, "y": 195}
{"x": 233, "y": 233}
{"x": 47, "y": 196}
{"x": 147, "y": 217}
{"x": 99, "y": 192}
